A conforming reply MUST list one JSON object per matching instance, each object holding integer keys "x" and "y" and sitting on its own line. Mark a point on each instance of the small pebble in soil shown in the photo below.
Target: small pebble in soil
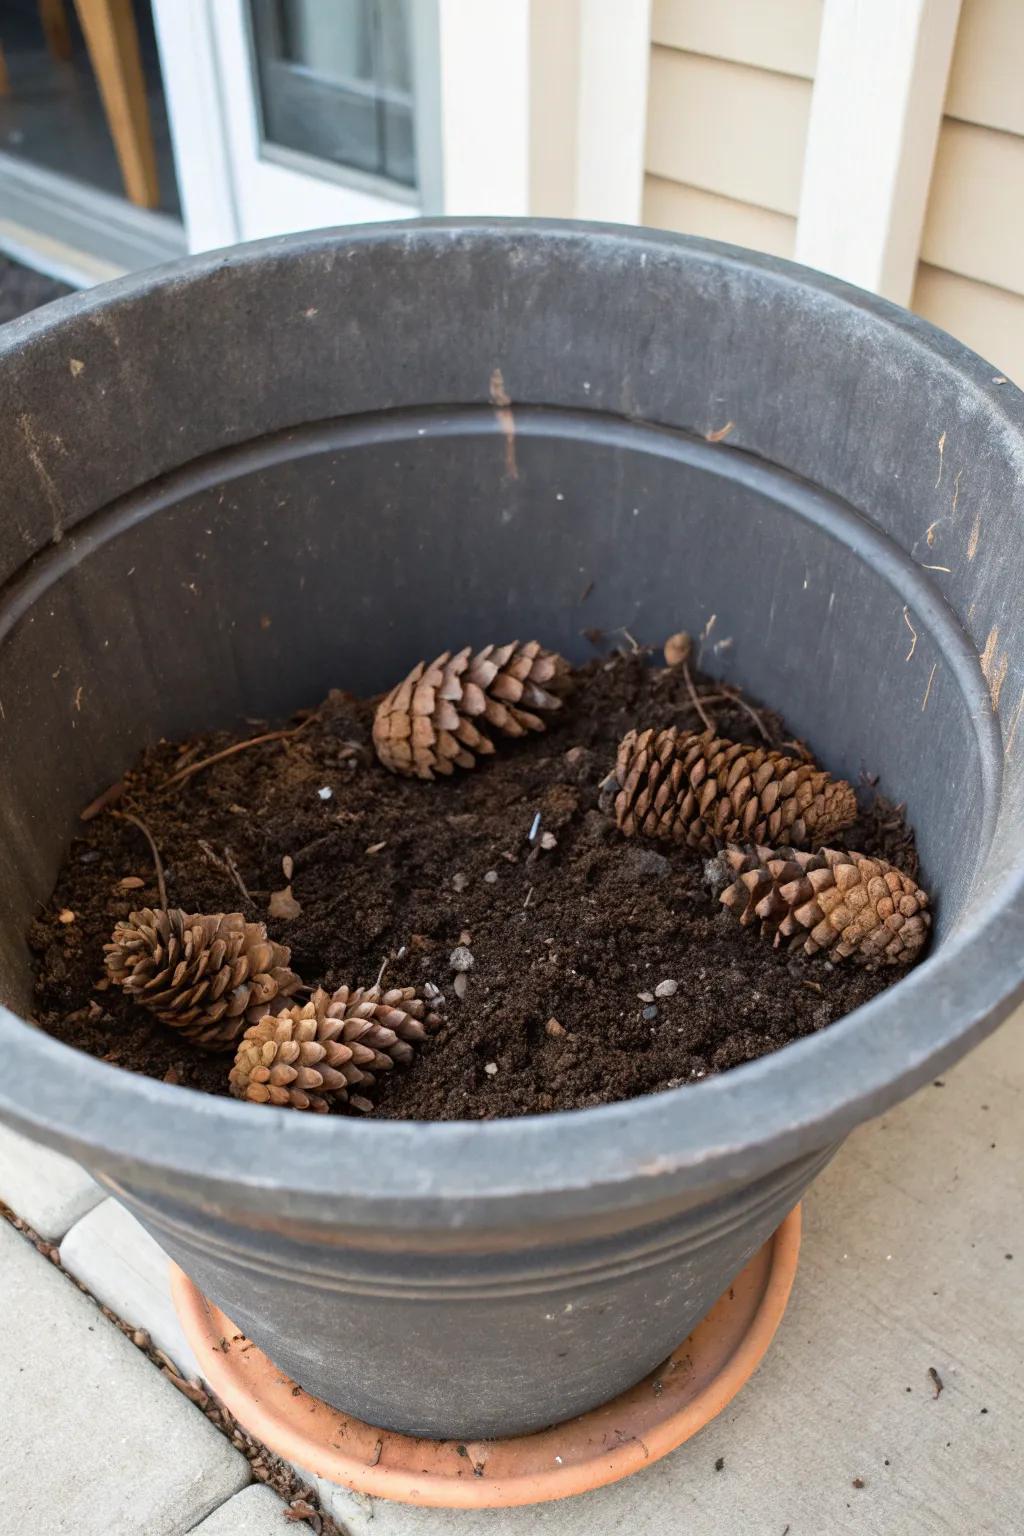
{"x": 491, "y": 877}
{"x": 552, "y": 1027}
{"x": 677, "y": 648}
{"x": 645, "y": 863}
{"x": 491, "y": 1068}
{"x": 548, "y": 840}
{"x": 460, "y": 881}
{"x": 650, "y": 1012}
{"x": 645, "y": 997}
{"x": 65, "y": 916}
{"x": 666, "y": 989}
{"x": 461, "y": 958}
{"x": 460, "y": 985}
{"x": 325, "y": 792}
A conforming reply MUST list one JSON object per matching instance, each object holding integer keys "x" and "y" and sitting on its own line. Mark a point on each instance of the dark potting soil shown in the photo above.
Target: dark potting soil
{"x": 563, "y": 938}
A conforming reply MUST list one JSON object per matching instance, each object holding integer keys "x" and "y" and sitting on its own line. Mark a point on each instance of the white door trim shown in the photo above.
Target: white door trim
{"x": 192, "y": 91}
{"x": 876, "y": 110}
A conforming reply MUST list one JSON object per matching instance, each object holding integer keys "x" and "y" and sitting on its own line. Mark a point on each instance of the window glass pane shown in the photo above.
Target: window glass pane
{"x": 336, "y": 81}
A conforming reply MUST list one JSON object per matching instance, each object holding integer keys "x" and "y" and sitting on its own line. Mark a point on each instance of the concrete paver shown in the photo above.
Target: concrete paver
{"x": 93, "y": 1440}
{"x": 127, "y": 1271}
{"x": 256, "y": 1511}
{"x": 48, "y": 1191}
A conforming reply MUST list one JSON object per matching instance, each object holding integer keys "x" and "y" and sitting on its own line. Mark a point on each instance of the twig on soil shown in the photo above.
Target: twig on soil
{"x": 147, "y": 834}
{"x": 735, "y": 697}
{"x": 635, "y": 644}
{"x": 102, "y": 802}
{"x": 239, "y": 746}
{"x": 227, "y": 865}
{"x": 694, "y": 700}
{"x": 233, "y": 867}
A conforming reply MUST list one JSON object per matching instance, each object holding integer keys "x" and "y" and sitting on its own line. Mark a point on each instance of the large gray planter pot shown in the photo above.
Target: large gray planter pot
{"x": 306, "y": 430}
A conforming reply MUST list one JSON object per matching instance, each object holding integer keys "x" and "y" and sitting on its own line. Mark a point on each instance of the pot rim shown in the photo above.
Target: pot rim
{"x": 733, "y": 1127}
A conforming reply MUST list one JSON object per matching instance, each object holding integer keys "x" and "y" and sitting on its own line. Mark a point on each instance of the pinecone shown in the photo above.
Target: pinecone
{"x": 208, "y": 976}
{"x": 438, "y": 716}
{"x": 837, "y": 902}
{"x": 313, "y": 1055}
{"x": 703, "y": 790}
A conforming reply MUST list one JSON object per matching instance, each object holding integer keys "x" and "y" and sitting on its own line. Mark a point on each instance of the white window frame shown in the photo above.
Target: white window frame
{"x": 539, "y": 105}
{"x": 230, "y": 188}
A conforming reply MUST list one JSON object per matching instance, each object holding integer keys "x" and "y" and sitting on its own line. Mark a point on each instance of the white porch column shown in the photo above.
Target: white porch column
{"x": 543, "y": 106}
{"x": 875, "y": 116}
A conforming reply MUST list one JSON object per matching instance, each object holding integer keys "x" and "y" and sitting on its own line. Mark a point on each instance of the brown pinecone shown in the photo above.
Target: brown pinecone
{"x": 313, "y": 1055}
{"x": 208, "y": 976}
{"x": 839, "y": 903}
{"x": 438, "y": 717}
{"x": 703, "y": 790}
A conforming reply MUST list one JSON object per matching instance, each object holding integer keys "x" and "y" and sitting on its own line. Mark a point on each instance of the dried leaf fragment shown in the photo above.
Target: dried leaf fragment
{"x": 283, "y": 904}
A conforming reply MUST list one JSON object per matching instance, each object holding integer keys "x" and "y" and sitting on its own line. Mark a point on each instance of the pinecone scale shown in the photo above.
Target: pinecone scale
{"x": 441, "y": 716}
{"x": 703, "y": 790}
{"x": 205, "y": 975}
{"x": 331, "y": 1050}
{"x": 833, "y": 902}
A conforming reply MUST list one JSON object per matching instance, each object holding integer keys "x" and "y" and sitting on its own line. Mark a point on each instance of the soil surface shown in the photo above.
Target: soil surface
{"x": 564, "y": 938}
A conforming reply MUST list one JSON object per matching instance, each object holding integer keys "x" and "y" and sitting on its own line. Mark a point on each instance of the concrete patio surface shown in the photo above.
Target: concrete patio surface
{"x": 912, "y": 1264}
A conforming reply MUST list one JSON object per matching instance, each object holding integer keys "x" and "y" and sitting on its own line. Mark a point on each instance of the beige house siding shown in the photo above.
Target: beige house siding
{"x": 971, "y": 275}
{"x": 728, "y": 103}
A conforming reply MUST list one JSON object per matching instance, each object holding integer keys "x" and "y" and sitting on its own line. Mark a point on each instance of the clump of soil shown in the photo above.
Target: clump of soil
{"x": 563, "y": 1006}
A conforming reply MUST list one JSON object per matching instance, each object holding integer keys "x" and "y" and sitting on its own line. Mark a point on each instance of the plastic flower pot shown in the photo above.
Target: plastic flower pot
{"x": 393, "y": 439}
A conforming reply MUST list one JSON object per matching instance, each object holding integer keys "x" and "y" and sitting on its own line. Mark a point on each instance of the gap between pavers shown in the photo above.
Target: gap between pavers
{"x": 46, "y": 1190}
{"x": 256, "y": 1511}
{"x": 93, "y": 1440}
{"x": 114, "y": 1256}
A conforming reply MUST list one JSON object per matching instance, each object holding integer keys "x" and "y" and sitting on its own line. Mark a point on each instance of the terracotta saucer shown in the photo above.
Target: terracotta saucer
{"x": 628, "y": 1433}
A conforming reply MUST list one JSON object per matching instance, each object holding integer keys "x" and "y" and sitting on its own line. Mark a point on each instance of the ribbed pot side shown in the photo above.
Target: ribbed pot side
{"x": 233, "y": 483}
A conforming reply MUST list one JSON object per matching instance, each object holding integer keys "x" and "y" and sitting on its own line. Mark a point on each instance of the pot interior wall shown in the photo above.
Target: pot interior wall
{"x": 253, "y": 581}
